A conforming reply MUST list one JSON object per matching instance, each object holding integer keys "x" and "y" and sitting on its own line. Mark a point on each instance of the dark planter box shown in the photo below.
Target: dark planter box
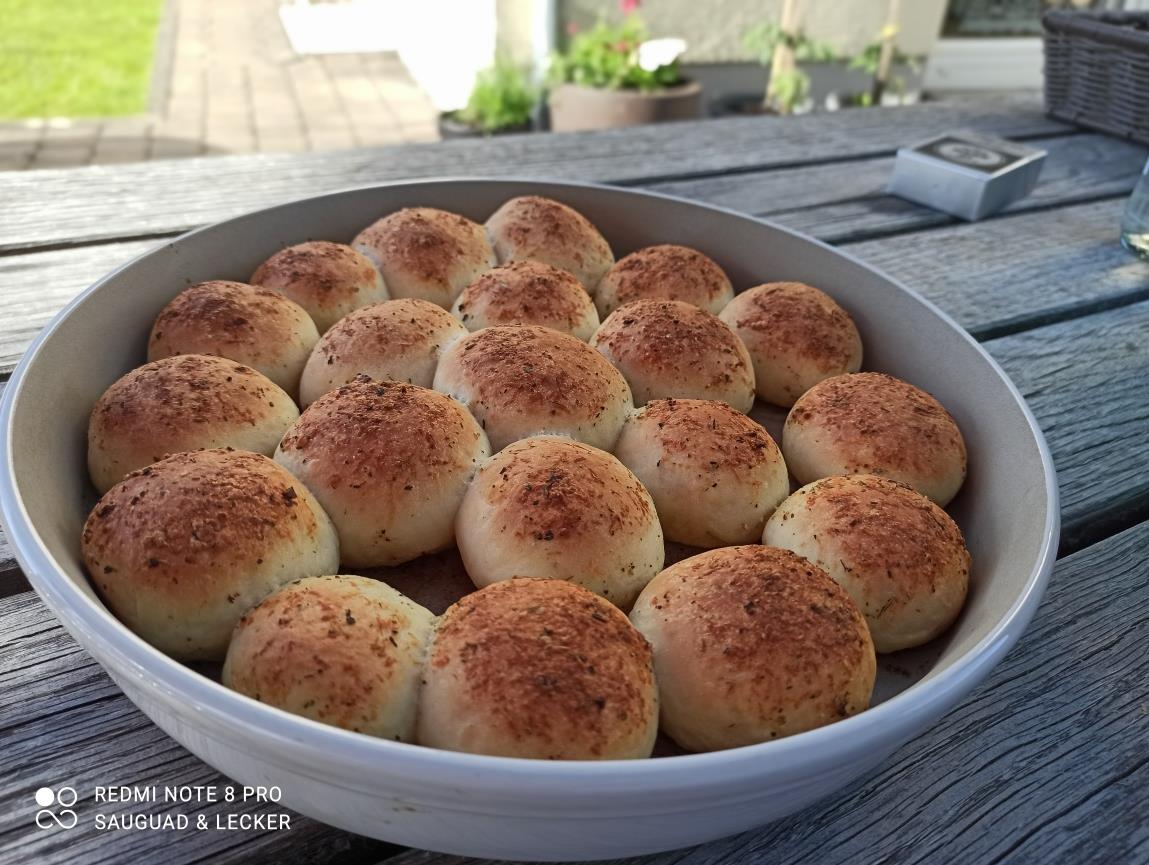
{"x": 451, "y": 127}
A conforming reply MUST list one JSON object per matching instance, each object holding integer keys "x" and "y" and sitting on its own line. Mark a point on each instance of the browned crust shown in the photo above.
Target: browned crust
{"x": 186, "y": 526}
{"x": 549, "y": 489}
{"x": 172, "y": 398}
{"x": 320, "y": 269}
{"x": 389, "y": 329}
{"x": 369, "y": 433}
{"x": 546, "y": 661}
{"x": 792, "y": 319}
{"x": 537, "y": 370}
{"x": 222, "y": 313}
{"x": 667, "y": 272}
{"x": 763, "y": 618}
{"x": 322, "y": 631}
{"x": 708, "y": 433}
{"x": 530, "y": 225}
{"x": 883, "y": 421}
{"x": 675, "y": 339}
{"x": 526, "y": 292}
{"x": 884, "y": 527}
{"x": 424, "y": 243}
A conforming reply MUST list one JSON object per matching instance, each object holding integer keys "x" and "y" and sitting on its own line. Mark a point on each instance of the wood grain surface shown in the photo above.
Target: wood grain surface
{"x": 165, "y": 197}
{"x": 1045, "y": 763}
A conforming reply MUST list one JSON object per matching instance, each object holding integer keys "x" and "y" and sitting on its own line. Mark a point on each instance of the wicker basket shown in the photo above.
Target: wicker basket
{"x": 1097, "y": 71}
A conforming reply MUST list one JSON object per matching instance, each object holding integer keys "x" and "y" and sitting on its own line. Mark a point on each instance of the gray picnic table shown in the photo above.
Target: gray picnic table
{"x": 1047, "y": 761}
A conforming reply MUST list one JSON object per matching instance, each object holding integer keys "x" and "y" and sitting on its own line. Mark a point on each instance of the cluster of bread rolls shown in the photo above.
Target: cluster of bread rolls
{"x": 511, "y": 390}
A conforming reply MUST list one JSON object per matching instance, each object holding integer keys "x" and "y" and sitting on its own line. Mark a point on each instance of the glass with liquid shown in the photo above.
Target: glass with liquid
{"x": 1135, "y": 222}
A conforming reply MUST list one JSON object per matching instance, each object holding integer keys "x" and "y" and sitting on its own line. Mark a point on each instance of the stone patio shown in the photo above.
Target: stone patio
{"x": 228, "y": 81}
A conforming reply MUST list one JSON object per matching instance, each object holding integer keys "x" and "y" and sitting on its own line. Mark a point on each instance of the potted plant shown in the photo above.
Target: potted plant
{"x": 879, "y": 62}
{"x": 612, "y": 75}
{"x": 779, "y": 46}
{"x": 879, "y": 59}
{"x": 502, "y": 100}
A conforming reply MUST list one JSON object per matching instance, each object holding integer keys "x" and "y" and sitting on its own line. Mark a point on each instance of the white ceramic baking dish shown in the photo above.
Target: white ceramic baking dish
{"x": 512, "y": 808}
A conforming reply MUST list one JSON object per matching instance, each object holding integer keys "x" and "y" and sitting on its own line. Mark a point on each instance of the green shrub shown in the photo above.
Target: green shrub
{"x": 607, "y": 56}
{"x": 502, "y": 98}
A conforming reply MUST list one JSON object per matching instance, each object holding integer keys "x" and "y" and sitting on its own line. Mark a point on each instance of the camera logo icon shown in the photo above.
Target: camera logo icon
{"x": 56, "y": 807}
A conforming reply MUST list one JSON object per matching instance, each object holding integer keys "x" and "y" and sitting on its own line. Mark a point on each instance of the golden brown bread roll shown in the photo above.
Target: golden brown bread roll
{"x": 669, "y": 348}
{"x": 875, "y": 424}
{"x": 797, "y": 336}
{"x": 900, "y": 556}
{"x": 523, "y": 380}
{"x": 255, "y": 326}
{"x": 390, "y": 463}
{"x": 664, "y": 272}
{"x": 555, "y": 508}
{"x": 327, "y": 279}
{"x": 399, "y": 339}
{"x": 184, "y": 403}
{"x": 542, "y": 669}
{"x": 179, "y": 550}
{"x": 528, "y": 292}
{"x": 426, "y": 253}
{"x": 541, "y": 229}
{"x": 715, "y": 474}
{"x": 752, "y": 643}
{"x": 343, "y": 650}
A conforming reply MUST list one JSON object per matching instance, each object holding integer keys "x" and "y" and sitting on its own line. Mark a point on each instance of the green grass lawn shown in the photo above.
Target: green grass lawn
{"x": 76, "y": 58}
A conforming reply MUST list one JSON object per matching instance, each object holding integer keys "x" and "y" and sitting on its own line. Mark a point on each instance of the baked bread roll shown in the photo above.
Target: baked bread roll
{"x": 797, "y": 336}
{"x": 390, "y": 463}
{"x": 426, "y": 253}
{"x": 400, "y": 340}
{"x": 541, "y": 229}
{"x": 342, "y": 650}
{"x": 255, "y": 326}
{"x": 522, "y": 380}
{"x": 753, "y": 643}
{"x": 669, "y": 348}
{"x": 900, "y": 556}
{"x": 874, "y": 424}
{"x": 555, "y": 508}
{"x": 327, "y": 279}
{"x": 179, "y": 550}
{"x": 715, "y": 474}
{"x": 185, "y": 403}
{"x": 664, "y": 272}
{"x": 542, "y": 669}
{"x": 528, "y": 292}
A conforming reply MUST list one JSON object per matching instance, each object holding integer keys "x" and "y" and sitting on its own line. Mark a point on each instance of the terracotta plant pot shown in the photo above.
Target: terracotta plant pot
{"x": 574, "y": 107}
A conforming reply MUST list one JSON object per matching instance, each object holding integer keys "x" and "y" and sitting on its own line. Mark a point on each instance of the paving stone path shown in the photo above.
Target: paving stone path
{"x": 227, "y": 81}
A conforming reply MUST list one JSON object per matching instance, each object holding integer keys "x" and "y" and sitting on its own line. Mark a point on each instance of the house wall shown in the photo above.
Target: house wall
{"x": 714, "y": 30}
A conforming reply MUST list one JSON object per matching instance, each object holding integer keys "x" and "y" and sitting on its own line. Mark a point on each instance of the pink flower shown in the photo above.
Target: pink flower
{"x": 572, "y": 28}
{"x": 628, "y": 6}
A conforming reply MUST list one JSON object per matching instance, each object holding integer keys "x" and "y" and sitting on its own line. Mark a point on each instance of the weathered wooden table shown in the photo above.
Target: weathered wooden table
{"x": 1048, "y": 761}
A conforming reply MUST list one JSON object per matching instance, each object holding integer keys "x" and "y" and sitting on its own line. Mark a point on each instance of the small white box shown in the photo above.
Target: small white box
{"x": 966, "y": 174}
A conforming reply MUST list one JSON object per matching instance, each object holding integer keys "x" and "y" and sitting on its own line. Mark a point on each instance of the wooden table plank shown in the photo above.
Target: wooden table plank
{"x": 1087, "y": 381}
{"x": 150, "y": 198}
{"x": 1007, "y": 772}
{"x": 994, "y": 277}
{"x": 847, "y": 201}
{"x": 1047, "y": 762}
{"x": 1018, "y": 272}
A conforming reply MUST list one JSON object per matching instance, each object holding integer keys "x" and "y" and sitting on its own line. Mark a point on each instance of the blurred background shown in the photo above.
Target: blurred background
{"x": 103, "y": 81}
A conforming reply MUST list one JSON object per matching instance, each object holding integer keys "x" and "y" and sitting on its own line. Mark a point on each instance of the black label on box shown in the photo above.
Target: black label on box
{"x": 969, "y": 154}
